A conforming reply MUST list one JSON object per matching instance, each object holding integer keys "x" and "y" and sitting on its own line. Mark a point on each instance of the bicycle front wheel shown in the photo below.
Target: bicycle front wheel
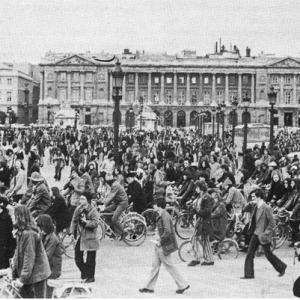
{"x": 68, "y": 244}
{"x": 228, "y": 249}
{"x": 174, "y": 213}
{"x": 185, "y": 225}
{"x": 150, "y": 216}
{"x": 280, "y": 235}
{"x": 187, "y": 251}
{"x": 136, "y": 232}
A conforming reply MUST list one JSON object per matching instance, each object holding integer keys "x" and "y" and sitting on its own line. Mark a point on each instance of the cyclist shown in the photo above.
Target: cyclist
{"x": 116, "y": 201}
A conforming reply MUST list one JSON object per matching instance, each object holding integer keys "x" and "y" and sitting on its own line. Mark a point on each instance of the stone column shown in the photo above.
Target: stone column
{"x": 281, "y": 98}
{"x": 227, "y": 90}
{"x": 110, "y": 88}
{"x": 240, "y": 96}
{"x": 136, "y": 91}
{"x": 295, "y": 90}
{"x": 69, "y": 87}
{"x": 81, "y": 86}
{"x": 175, "y": 101}
{"x": 162, "y": 89}
{"x": 200, "y": 88}
{"x": 188, "y": 92}
{"x": 213, "y": 89}
{"x": 123, "y": 101}
{"x": 42, "y": 85}
{"x": 149, "y": 88}
{"x": 252, "y": 88}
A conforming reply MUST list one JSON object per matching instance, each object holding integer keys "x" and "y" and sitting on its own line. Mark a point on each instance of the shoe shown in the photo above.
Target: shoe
{"x": 194, "y": 263}
{"x": 145, "y": 290}
{"x": 282, "y": 272}
{"x": 246, "y": 277}
{"x": 181, "y": 291}
{"x": 205, "y": 263}
{"x": 89, "y": 280}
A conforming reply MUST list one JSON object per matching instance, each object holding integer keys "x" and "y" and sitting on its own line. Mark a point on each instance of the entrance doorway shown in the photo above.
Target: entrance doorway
{"x": 88, "y": 119}
{"x": 181, "y": 119}
{"x": 288, "y": 119}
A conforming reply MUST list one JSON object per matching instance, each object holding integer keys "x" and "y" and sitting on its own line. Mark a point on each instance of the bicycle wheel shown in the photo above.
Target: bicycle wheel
{"x": 228, "y": 249}
{"x": 280, "y": 235}
{"x": 150, "y": 216}
{"x": 185, "y": 225}
{"x": 174, "y": 213}
{"x": 187, "y": 251}
{"x": 136, "y": 232}
{"x": 68, "y": 244}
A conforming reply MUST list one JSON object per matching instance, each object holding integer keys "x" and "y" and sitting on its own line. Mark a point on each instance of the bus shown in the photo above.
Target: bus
{"x": 256, "y": 134}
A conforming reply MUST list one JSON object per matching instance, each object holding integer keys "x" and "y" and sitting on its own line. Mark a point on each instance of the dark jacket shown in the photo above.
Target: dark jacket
{"x": 54, "y": 250}
{"x": 276, "y": 191}
{"x": 204, "y": 215}
{"x": 137, "y": 196}
{"x": 31, "y": 262}
{"x": 40, "y": 199}
{"x": 219, "y": 219}
{"x": 59, "y": 213}
{"x": 7, "y": 242}
{"x": 166, "y": 233}
{"x": 187, "y": 190}
{"x": 226, "y": 175}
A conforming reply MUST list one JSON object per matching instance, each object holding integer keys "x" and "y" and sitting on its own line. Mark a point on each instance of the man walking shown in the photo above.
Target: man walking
{"x": 261, "y": 227}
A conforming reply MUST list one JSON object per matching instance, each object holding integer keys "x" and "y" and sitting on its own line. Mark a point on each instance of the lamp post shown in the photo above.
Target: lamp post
{"x": 218, "y": 121}
{"x": 130, "y": 113}
{"x": 213, "y": 111}
{"x": 202, "y": 116}
{"x": 246, "y": 102}
{"x": 117, "y": 75}
{"x": 223, "y": 108}
{"x": 141, "y": 100}
{"x": 9, "y": 111}
{"x": 76, "y": 118}
{"x": 272, "y": 100}
{"x": 48, "y": 112}
{"x": 234, "y": 108}
{"x": 26, "y": 104}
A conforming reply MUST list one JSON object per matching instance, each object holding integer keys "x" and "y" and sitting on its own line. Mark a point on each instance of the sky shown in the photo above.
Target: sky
{"x": 30, "y": 28}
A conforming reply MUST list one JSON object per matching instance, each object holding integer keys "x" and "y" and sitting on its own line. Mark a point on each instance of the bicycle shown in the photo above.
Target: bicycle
{"x": 225, "y": 249}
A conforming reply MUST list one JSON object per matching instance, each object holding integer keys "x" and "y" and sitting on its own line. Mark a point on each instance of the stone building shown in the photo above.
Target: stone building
{"x": 176, "y": 87}
{"x": 15, "y": 80}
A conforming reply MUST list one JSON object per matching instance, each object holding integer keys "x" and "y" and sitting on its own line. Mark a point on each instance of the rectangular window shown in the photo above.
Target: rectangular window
{"x": 206, "y": 98}
{"x": 274, "y": 79}
{"x": 181, "y": 80}
{"x": 76, "y": 77}
{"x": 288, "y": 97}
{"x": 130, "y": 96}
{"x": 75, "y": 94}
{"x": 88, "y": 94}
{"x": 194, "y": 98}
{"x": 220, "y": 98}
{"x": 156, "y": 97}
{"x": 144, "y": 96}
{"x": 298, "y": 79}
{"x": 8, "y": 97}
{"x": 101, "y": 117}
{"x": 62, "y": 94}
{"x": 287, "y": 79}
{"x": 130, "y": 78}
{"x": 245, "y": 79}
{"x": 169, "y": 97}
{"x": 63, "y": 76}
{"x": 169, "y": 80}
{"x": 232, "y": 96}
{"x": 89, "y": 77}
{"x": 219, "y": 80}
{"x": 206, "y": 80}
{"x": 9, "y": 81}
{"x": 156, "y": 80}
{"x": 194, "y": 80}
{"x": 232, "y": 79}
{"x": 143, "y": 79}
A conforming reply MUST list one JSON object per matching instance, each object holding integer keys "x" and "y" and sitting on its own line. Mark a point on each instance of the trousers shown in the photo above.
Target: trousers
{"x": 115, "y": 223}
{"x": 88, "y": 267}
{"x": 278, "y": 265}
{"x": 167, "y": 261}
{"x": 34, "y": 290}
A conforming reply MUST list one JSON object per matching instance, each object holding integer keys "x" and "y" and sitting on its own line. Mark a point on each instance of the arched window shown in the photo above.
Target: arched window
{"x": 231, "y": 116}
{"x": 246, "y": 115}
{"x": 168, "y": 116}
{"x": 181, "y": 119}
{"x": 130, "y": 119}
{"x": 101, "y": 93}
{"x": 193, "y": 118}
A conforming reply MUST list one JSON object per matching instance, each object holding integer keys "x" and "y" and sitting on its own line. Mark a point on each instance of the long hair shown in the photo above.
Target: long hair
{"x": 23, "y": 217}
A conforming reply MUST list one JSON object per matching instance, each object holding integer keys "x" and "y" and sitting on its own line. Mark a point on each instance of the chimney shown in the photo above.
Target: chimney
{"x": 216, "y": 51}
{"x": 220, "y": 44}
{"x": 248, "y": 52}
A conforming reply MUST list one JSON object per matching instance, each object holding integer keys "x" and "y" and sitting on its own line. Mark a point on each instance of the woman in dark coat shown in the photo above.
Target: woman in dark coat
{"x": 7, "y": 242}
{"x": 219, "y": 217}
{"x": 276, "y": 190}
{"x": 170, "y": 171}
{"x": 136, "y": 194}
{"x": 59, "y": 211}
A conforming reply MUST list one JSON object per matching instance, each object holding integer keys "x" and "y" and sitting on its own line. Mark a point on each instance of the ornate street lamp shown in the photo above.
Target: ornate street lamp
{"x": 49, "y": 112}
{"x": 218, "y": 122}
{"x": 246, "y": 102}
{"x": 76, "y": 118}
{"x": 223, "y": 108}
{"x": 130, "y": 114}
{"x": 9, "y": 112}
{"x": 213, "y": 112}
{"x": 26, "y": 104}
{"x": 117, "y": 75}
{"x": 234, "y": 108}
{"x": 272, "y": 100}
{"x": 141, "y": 100}
{"x": 202, "y": 115}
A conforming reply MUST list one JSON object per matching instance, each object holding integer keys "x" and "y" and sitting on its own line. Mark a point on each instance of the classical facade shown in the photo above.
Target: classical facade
{"x": 19, "y": 93}
{"x": 176, "y": 87}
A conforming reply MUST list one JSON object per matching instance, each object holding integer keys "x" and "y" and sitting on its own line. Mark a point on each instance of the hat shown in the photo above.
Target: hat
{"x": 272, "y": 164}
{"x": 227, "y": 182}
{"x": 75, "y": 169}
{"x": 55, "y": 190}
{"x": 35, "y": 176}
{"x": 108, "y": 177}
{"x": 131, "y": 174}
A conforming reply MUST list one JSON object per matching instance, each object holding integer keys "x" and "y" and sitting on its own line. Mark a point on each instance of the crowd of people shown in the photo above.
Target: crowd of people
{"x": 204, "y": 170}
